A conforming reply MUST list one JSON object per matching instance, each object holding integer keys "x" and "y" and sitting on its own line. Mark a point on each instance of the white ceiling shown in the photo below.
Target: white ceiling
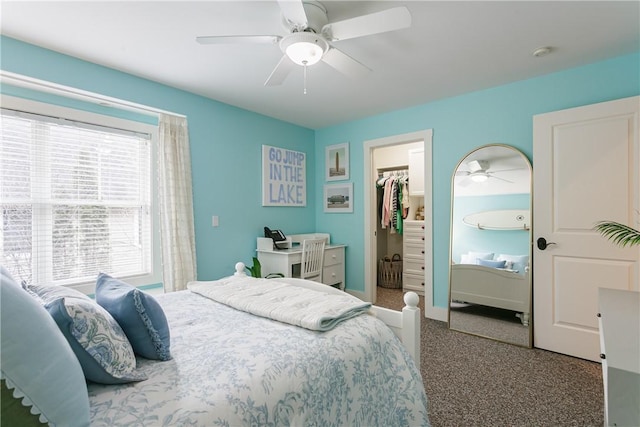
{"x": 451, "y": 48}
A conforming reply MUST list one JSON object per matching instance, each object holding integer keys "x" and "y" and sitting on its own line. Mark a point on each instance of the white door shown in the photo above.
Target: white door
{"x": 585, "y": 170}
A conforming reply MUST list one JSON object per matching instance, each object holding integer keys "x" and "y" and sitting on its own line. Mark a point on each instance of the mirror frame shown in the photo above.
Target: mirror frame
{"x": 529, "y": 243}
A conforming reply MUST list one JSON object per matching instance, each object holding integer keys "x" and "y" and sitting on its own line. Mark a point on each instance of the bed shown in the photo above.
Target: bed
{"x": 229, "y": 367}
{"x": 492, "y": 287}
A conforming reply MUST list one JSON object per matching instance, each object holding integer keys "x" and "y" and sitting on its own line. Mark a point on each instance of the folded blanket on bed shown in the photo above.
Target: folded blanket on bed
{"x": 286, "y": 303}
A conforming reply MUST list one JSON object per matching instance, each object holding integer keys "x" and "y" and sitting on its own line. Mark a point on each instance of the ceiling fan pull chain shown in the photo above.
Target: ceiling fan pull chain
{"x": 304, "y": 65}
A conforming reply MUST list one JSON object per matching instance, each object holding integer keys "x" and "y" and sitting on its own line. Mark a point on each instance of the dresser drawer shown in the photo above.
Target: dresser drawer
{"x": 413, "y": 227}
{"x": 412, "y": 282}
{"x": 333, "y": 256}
{"x": 414, "y": 250}
{"x": 413, "y": 266}
{"x": 333, "y": 275}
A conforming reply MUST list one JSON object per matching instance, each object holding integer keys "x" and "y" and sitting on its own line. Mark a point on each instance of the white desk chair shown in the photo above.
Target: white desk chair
{"x": 312, "y": 259}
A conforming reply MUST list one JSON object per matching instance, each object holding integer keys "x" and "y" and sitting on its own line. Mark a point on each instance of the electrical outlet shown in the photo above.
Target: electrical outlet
{"x": 214, "y": 220}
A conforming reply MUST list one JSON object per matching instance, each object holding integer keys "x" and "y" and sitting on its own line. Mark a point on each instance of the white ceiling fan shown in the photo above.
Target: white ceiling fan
{"x": 478, "y": 172}
{"x": 311, "y": 34}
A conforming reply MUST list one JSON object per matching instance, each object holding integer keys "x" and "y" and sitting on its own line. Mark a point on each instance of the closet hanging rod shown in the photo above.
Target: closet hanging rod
{"x": 394, "y": 168}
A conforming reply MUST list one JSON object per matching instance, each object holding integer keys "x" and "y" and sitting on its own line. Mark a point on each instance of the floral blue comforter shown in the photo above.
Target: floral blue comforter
{"x": 230, "y": 368}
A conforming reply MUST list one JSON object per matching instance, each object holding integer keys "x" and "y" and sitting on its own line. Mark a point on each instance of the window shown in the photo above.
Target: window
{"x": 76, "y": 196}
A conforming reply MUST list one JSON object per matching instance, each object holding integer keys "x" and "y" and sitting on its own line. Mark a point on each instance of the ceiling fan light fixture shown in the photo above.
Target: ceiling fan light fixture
{"x": 479, "y": 177}
{"x": 304, "y": 53}
{"x": 304, "y": 48}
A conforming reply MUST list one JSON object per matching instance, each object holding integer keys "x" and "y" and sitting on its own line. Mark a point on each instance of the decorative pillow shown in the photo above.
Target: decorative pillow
{"x": 491, "y": 263}
{"x": 139, "y": 315}
{"x": 518, "y": 262}
{"x": 48, "y": 294}
{"x": 481, "y": 255}
{"x": 473, "y": 257}
{"x": 95, "y": 337}
{"x": 37, "y": 362}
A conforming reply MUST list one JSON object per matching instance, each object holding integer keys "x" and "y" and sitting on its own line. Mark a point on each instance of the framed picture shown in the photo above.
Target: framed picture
{"x": 338, "y": 198}
{"x": 337, "y": 162}
{"x": 283, "y": 177}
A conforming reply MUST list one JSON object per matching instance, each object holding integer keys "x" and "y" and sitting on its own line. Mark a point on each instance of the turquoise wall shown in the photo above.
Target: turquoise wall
{"x": 501, "y": 114}
{"x": 226, "y": 155}
{"x": 225, "y": 151}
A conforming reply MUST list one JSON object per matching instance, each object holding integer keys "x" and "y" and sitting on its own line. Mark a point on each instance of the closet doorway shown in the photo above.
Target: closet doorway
{"x": 390, "y": 156}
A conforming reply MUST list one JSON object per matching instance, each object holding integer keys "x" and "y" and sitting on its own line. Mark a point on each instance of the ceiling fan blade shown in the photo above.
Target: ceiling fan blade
{"x": 238, "y": 39}
{"x": 293, "y": 11}
{"x": 501, "y": 179}
{"x": 281, "y": 71}
{"x": 344, "y": 63}
{"x": 393, "y": 19}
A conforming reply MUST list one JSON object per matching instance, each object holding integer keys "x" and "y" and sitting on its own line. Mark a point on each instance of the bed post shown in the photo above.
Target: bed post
{"x": 411, "y": 326}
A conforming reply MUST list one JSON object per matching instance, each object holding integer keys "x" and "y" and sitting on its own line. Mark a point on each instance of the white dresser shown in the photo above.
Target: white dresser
{"x": 413, "y": 265}
{"x": 619, "y": 322}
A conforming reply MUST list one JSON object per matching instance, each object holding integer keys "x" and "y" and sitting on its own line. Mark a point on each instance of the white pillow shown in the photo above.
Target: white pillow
{"x": 481, "y": 255}
{"x": 473, "y": 257}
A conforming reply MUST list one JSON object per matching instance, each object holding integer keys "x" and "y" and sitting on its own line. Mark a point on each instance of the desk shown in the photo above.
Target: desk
{"x": 287, "y": 261}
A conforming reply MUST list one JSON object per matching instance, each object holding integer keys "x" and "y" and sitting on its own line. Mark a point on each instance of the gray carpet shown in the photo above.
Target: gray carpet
{"x": 472, "y": 381}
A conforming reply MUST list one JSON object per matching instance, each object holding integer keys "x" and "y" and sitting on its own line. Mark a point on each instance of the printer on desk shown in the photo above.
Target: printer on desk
{"x": 278, "y": 238}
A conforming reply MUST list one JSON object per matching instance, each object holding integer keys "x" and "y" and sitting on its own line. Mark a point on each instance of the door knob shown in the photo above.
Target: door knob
{"x": 542, "y": 243}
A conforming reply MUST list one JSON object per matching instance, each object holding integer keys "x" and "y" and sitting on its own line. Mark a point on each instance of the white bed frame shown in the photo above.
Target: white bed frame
{"x": 477, "y": 284}
{"x": 405, "y": 324}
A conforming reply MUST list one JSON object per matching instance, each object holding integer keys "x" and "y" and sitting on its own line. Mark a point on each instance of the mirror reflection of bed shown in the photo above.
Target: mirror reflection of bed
{"x": 490, "y": 283}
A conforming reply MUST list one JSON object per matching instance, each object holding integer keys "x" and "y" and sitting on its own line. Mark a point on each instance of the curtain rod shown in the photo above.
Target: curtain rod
{"x": 26, "y": 82}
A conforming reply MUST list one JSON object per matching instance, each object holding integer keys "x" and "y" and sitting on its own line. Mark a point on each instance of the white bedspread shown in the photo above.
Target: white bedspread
{"x": 230, "y": 368}
{"x": 315, "y": 310}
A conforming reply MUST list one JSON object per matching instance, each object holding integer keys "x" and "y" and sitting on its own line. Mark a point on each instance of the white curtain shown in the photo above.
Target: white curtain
{"x": 176, "y": 204}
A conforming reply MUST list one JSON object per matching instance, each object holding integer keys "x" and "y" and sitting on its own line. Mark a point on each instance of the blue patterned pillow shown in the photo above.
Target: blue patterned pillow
{"x": 97, "y": 340}
{"x": 139, "y": 315}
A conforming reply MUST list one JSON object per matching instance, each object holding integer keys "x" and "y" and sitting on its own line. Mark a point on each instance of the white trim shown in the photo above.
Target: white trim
{"x": 26, "y": 82}
{"x": 431, "y": 311}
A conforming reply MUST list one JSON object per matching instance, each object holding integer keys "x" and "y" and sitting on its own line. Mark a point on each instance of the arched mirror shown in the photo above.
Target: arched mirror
{"x": 490, "y": 259}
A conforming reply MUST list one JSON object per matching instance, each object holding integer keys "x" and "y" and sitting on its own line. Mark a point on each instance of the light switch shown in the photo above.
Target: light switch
{"x": 214, "y": 220}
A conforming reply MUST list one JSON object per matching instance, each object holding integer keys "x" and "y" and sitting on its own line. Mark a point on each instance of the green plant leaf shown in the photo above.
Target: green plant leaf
{"x": 622, "y": 235}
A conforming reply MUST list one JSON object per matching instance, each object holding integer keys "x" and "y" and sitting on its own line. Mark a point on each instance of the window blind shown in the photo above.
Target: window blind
{"x": 75, "y": 199}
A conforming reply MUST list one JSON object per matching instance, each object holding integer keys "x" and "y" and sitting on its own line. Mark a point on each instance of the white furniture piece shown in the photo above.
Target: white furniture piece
{"x": 619, "y": 322}
{"x": 493, "y": 287}
{"x": 312, "y": 259}
{"x": 413, "y": 265}
{"x": 288, "y": 261}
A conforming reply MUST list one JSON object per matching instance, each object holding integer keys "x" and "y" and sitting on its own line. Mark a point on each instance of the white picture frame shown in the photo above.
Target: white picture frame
{"x": 338, "y": 198}
{"x": 337, "y": 162}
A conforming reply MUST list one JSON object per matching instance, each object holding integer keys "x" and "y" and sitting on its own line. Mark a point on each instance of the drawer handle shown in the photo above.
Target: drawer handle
{"x": 422, "y": 252}
{"x": 422, "y": 267}
{"x": 422, "y": 237}
{"x": 422, "y": 226}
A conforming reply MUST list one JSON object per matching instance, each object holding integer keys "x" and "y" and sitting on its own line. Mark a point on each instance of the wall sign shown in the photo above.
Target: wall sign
{"x": 284, "y": 175}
